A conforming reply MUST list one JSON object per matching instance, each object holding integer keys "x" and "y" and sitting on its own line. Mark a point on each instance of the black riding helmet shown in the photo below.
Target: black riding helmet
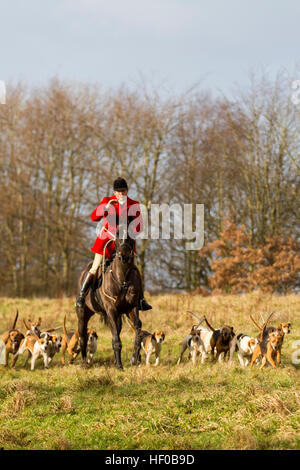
{"x": 120, "y": 184}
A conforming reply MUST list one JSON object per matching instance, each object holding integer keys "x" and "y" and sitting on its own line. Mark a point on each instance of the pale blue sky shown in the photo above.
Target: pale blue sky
{"x": 178, "y": 42}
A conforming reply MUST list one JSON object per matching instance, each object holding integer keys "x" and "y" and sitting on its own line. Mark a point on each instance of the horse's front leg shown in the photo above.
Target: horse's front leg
{"x": 83, "y": 315}
{"x": 115, "y": 323}
{"x": 137, "y": 324}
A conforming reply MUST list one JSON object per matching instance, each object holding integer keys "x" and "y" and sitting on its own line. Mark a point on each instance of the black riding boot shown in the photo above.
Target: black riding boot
{"x": 84, "y": 289}
{"x": 144, "y": 305}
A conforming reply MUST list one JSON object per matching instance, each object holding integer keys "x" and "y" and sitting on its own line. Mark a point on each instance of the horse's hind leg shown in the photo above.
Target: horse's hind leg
{"x": 83, "y": 315}
{"x": 134, "y": 317}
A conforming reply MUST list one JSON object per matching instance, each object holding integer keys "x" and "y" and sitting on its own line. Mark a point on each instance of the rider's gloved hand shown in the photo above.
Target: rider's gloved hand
{"x": 112, "y": 201}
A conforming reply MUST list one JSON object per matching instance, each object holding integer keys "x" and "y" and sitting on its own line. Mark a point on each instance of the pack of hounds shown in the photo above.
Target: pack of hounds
{"x": 220, "y": 343}
{"x": 223, "y": 342}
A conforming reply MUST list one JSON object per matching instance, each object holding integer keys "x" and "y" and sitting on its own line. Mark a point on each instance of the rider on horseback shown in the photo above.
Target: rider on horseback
{"x": 112, "y": 210}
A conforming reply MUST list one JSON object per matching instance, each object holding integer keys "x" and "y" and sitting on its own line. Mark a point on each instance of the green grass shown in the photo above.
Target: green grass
{"x": 166, "y": 407}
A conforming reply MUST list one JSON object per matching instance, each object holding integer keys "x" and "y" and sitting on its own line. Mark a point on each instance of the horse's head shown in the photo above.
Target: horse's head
{"x": 124, "y": 246}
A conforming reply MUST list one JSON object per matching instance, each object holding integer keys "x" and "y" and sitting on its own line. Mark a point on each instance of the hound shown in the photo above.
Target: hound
{"x": 150, "y": 342}
{"x": 282, "y": 328}
{"x": 33, "y": 327}
{"x": 219, "y": 339}
{"x": 194, "y": 343}
{"x": 37, "y": 347}
{"x": 55, "y": 342}
{"x": 12, "y": 340}
{"x": 244, "y": 345}
{"x": 268, "y": 349}
{"x": 71, "y": 344}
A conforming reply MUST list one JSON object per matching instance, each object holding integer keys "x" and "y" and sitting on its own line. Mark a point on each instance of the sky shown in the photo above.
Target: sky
{"x": 173, "y": 43}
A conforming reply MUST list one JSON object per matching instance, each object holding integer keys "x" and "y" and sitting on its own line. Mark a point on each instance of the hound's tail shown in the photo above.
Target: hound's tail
{"x": 25, "y": 324}
{"x": 265, "y": 325}
{"x": 64, "y": 326}
{"x": 131, "y": 325}
{"x": 209, "y": 326}
{"x": 253, "y": 321}
{"x": 15, "y": 321}
{"x": 262, "y": 329}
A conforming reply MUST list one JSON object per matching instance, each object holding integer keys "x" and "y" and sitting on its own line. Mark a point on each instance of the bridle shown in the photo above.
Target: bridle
{"x": 123, "y": 286}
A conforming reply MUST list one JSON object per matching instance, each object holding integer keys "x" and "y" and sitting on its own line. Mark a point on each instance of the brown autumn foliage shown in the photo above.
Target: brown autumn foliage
{"x": 238, "y": 267}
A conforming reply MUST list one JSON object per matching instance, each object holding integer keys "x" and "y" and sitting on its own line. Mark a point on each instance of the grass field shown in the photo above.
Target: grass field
{"x": 210, "y": 406}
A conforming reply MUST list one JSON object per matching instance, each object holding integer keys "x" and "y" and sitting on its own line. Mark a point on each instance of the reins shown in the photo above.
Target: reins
{"x": 123, "y": 285}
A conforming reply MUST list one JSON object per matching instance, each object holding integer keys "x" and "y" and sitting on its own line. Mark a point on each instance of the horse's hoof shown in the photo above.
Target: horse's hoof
{"x": 133, "y": 361}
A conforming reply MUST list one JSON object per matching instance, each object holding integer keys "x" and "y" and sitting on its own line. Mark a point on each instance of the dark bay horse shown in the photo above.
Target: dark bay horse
{"x": 117, "y": 295}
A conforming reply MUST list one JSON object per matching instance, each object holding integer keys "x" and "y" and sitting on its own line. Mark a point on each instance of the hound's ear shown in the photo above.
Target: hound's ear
{"x": 232, "y": 332}
{"x": 40, "y": 320}
{"x": 163, "y": 335}
{"x": 96, "y": 336}
{"x": 289, "y": 325}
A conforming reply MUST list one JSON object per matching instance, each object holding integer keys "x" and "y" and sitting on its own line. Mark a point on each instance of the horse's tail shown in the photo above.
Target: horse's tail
{"x": 15, "y": 320}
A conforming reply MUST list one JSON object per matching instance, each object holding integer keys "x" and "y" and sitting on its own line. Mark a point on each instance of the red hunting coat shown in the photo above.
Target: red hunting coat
{"x": 129, "y": 212}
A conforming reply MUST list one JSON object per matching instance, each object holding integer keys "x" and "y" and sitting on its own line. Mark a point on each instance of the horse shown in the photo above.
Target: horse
{"x": 118, "y": 294}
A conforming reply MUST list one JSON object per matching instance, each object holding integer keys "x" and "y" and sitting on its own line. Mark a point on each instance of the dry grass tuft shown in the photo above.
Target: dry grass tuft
{"x": 19, "y": 395}
{"x": 243, "y": 439}
{"x": 66, "y": 403}
{"x": 60, "y": 443}
{"x": 272, "y": 404}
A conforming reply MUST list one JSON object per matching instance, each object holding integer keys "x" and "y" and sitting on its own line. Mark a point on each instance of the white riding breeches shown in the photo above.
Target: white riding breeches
{"x": 96, "y": 263}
